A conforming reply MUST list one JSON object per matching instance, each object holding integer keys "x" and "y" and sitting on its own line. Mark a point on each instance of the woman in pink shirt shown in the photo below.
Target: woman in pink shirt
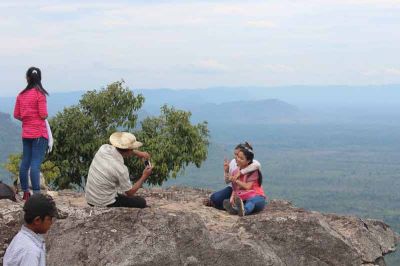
{"x": 248, "y": 195}
{"x": 217, "y": 198}
{"x": 31, "y": 109}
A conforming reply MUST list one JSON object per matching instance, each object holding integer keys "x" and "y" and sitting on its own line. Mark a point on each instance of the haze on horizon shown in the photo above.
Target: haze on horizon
{"x": 198, "y": 44}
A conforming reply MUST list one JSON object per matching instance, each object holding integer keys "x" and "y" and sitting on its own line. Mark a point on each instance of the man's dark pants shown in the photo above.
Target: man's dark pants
{"x": 129, "y": 202}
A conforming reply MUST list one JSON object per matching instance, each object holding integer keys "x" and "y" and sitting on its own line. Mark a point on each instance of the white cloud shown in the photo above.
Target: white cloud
{"x": 209, "y": 65}
{"x": 279, "y": 68}
{"x": 175, "y": 40}
{"x": 382, "y": 72}
{"x": 261, "y": 24}
{"x": 115, "y": 22}
{"x": 59, "y": 8}
{"x": 230, "y": 9}
{"x": 372, "y": 3}
{"x": 392, "y": 71}
{"x": 77, "y": 6}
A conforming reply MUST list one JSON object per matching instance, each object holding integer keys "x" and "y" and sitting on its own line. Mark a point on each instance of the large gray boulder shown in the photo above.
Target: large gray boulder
{"x": 178, "y": 230}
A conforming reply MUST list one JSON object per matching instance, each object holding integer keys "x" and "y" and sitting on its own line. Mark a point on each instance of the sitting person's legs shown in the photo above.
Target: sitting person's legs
{"x": 217, "y": 198}
{"x": 129, "y": 202}
{"x": 254, "y": 204}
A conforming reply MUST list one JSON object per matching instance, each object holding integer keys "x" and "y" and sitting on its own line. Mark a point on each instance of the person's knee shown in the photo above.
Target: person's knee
{"x": 213, "y": 197}
{"x": 25, "y": 164}
{"x": 141, "y": 203}
{"x": 35, "y": 164}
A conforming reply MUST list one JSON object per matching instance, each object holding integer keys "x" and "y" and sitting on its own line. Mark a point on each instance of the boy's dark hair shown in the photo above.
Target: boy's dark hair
{"x": 39, "y": 205}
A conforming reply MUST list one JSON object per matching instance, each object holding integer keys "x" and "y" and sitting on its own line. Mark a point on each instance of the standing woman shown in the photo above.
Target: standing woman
{"x": 31, "y": 109}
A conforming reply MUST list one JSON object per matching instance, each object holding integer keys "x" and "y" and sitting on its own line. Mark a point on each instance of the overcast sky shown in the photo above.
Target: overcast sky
{"x": 81, "y": 45}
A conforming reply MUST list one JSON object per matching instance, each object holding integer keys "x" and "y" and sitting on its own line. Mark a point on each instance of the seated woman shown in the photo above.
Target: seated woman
{"x": 217, "y": 198}
{"x": 248, "y": 195}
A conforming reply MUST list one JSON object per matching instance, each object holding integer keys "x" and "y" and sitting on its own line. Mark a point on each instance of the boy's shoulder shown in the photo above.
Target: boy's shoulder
{"x": 27, "y": 239}
{"x": 22, "y": 246}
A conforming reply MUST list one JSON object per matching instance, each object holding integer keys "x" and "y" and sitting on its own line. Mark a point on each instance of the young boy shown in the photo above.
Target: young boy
{"x": 28, "y": 247}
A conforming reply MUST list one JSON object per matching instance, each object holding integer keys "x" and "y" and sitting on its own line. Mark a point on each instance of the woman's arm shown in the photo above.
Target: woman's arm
{"x": 17, "y": 113}
{"x": 244, "y": 185}
{"x": 227, "y": 178}
{"x": 42, "y": 103}
{"x": 249, "y": 180}
{"x": 255, "y": 165}
{"x": 226, "y": 171}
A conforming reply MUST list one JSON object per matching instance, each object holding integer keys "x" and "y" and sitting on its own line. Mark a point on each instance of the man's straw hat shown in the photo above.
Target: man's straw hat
{"x": 124, "y": 140}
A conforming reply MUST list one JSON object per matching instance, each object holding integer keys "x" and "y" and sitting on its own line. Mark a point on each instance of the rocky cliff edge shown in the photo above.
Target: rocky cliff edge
{"x": 178, "y": 230}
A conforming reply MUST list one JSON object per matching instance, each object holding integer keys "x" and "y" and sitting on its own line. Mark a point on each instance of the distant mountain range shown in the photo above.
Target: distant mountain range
{"x": 56, "y": 102}
{"x": 203, "y": 106}
{"x": 298, "y": 95}
{"x": 247, "y": 112}
{"x": 323, "y": 97}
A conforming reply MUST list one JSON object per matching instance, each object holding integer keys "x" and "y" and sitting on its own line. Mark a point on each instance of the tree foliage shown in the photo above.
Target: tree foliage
{"x": 49, "y": 170}
{"x": 173, "y": 142}
{"x": 81, "y": 129}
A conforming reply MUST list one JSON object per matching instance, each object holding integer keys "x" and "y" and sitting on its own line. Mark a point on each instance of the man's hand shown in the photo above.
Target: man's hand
{"x": 147, "y": 171}
{"x": 145, "y": 155}
{"x": 138, "y": 184}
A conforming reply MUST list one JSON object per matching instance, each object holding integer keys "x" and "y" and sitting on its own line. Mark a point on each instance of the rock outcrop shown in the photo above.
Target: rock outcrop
{"x": 178, "y": 230}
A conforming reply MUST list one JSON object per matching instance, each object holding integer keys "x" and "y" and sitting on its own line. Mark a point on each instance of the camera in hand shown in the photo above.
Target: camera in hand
{"x": 147, "y": 163}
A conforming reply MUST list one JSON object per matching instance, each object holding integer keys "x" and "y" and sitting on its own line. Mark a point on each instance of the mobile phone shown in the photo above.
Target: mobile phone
{"x": 147, "y": 163}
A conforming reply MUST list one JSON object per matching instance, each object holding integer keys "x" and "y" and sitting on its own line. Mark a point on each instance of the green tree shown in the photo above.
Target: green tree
{"x": 12, "y": 164}
{"x": 173, "y": 142}
{"x": 81, "y": 129}
{"x": 49, "y": 170}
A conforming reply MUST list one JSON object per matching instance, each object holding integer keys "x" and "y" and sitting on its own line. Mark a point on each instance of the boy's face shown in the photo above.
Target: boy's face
{"x": 42, "y": 226}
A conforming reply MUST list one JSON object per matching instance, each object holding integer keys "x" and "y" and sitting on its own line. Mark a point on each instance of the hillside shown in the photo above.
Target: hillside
{"x": 248, "y": 112}
{"x": 10, "y": 141}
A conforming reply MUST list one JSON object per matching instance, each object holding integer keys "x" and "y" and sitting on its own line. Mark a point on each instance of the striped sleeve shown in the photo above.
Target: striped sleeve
{"x": 42, "y": 104}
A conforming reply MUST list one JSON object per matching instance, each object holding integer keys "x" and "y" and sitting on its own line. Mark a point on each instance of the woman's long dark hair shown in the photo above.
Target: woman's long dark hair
{"x": 34, "y": 78}
{"x": 247, "y": 151}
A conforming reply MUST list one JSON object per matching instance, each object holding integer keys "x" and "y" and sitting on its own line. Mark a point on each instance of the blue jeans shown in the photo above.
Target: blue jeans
{"x": 254, "y": 204}
{"x": 218, "y": 197}
{"x": 33, "y": 154}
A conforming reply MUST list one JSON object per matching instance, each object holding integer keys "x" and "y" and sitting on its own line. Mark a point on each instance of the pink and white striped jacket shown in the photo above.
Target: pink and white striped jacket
{"x": 31, "y": 109}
